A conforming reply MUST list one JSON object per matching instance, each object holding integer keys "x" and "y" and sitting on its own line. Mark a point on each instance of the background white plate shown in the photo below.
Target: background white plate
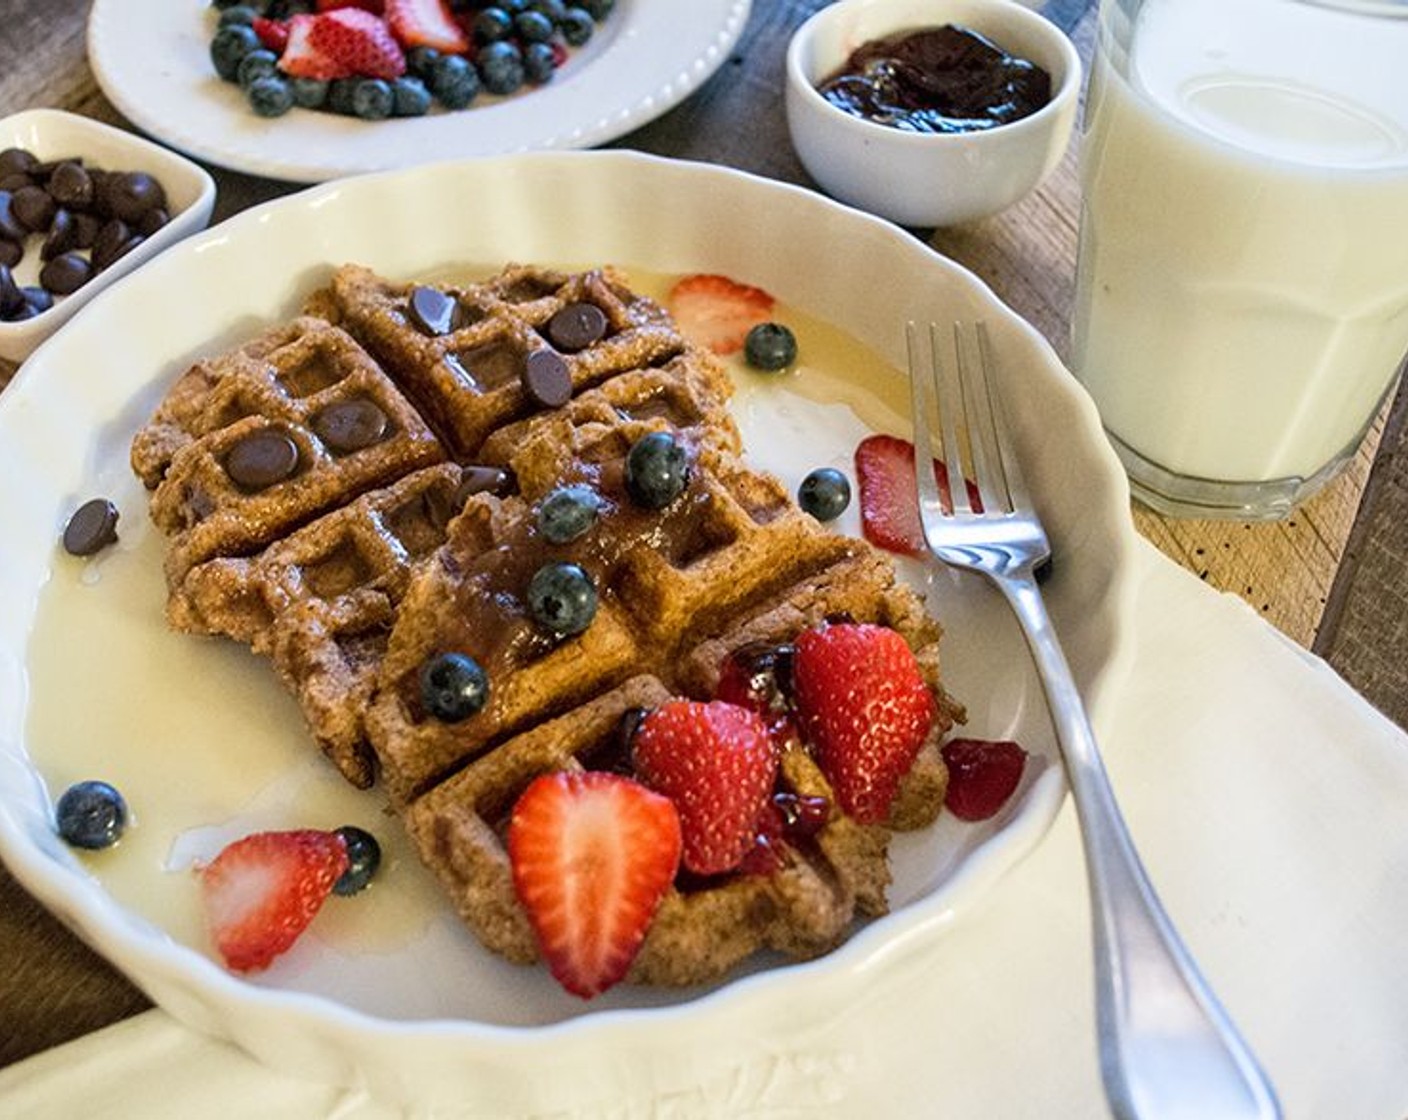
{"x": 433, "y": 1029}
{"x": 152, "y": 59}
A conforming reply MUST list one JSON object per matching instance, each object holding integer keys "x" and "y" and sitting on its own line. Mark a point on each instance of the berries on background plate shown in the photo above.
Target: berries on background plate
{"x": 716, "y": 312}
{"x": 770, "y": 346}
{"x": 889, "y": 500}
{"x": 865, "y": 708}
{"x": 592, "y": 854}
{"x": 824, "y": 493}
{"x": 717, "y": 763}
{"x": 91, "y": 815}
{"x": 426, "y": 23}
{"x": 982, "y": 775}
{"x": 657, "y": 470}
{"x": 453, "y": 687}
{"x": 261, "y": 892}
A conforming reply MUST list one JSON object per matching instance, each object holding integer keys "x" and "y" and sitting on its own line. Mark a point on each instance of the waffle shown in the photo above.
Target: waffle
{"x": 360, "y": 565}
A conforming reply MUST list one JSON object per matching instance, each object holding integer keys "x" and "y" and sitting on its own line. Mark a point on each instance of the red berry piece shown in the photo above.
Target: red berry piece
{"x": 359, "y": 43}
{"x": 865, "y": 710}
{"x": 716, "y": 762}
{"x": 592, "y": 855}
{"x": 889, "y": 500}
{"x": 261, "y": 892}
{"x": 982, "y": 775}
{"x": 426, "y": 23}
{"x": 717, "y": 313}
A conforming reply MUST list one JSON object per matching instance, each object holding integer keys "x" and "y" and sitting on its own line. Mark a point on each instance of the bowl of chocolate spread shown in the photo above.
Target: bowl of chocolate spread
{"x": 930, "y": 112}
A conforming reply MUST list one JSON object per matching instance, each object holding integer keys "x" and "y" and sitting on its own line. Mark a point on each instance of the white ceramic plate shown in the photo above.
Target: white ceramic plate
{"x": 152, "y": 59}
{"x": 421, "y": 1012}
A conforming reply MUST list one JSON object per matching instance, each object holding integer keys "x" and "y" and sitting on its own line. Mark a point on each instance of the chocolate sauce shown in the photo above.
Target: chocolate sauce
{"x": 943, "y": 79}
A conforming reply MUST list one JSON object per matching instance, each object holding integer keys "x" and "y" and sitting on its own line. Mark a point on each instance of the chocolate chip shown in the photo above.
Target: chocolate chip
{"x": 11, "y": 227}
{"x": 433, "y": 310}
{"x": 33, "y": 207}
{"x": 65, "y": 274}
{"x": 85, "y": 230}
{"x": 261, "y": 459}
{"x": 71, "y": 185}
{"x": 11, "y": 252}
{"x": 110, "y": 254}
{"x": 38, "y": 299}
{"x": 111, "y": 235}
{"x": 62, "y": 235}
{"x": 92, "y": 527}
{"x": 475, "y": 479}
{"x": 151, "y": 221}
{"x": 547, "y": 378}
{"x": 130, "y": 194}
{"x": 351, "y": 425}
{"x": 11, "y": 297}
{"x": 576, "y": 327}
{"x": 16, "y": 161}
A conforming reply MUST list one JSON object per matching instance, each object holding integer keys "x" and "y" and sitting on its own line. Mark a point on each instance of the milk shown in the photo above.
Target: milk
{"x": 1242, "y": 302}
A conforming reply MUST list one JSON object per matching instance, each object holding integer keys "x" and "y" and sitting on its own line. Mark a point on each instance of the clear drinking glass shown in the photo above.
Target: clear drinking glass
{"x": 1242, "y": 286}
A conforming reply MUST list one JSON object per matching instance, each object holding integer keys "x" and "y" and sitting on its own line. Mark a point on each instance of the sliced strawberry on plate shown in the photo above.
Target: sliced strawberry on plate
{"x": 865, "y": 710}
{"x": 303, "y": 59}
{"x": 360, "y": 42}
{"x": 592, "y": 854}
{"x": 982, "y": 775}
{"x": 716, "y": 312}
{"x": 261, "y": 892}
{"x": 376, "y": 7}
{"x": 273, "y": 33}
{"x": 426, "y": 23}
{"x": 717, "y": 763}
{"x": 889, "y": 501}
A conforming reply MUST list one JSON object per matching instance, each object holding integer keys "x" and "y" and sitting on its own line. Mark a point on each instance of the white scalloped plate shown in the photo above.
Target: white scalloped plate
{"x": 152, "y": 59}
{"x": 425, "y": 1015}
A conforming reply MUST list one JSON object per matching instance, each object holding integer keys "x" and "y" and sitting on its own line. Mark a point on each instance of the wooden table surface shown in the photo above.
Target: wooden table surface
{"x": 1332, "y": 577}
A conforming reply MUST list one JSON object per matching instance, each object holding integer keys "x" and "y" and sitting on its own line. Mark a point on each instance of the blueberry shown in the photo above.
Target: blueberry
{"x": 420, "y": 61}
{"x": 238, "y": 13}
{"x": 372, "y": 99}
{"x": 363, "y": 859}
{"x": 270, "y": 96}
{"x": 553, "y": 9}
{"x": 453, "y": 687}
{"x": 533, "y": 27}
{"x": 228, "y": 48}
{"x": 513, "y": 7}
{"x": 576, "y": 26}
{"x": 825, "y": 493}
{"x": 340, "y": 92}
{"x": 454, "y": 81}
{"x": 409, "y": 98}
{"x": 501, "y": 67}
{"x": 770, "y": 346}
{"x": 599, "y": 9}
{"x": 562, "y": 598}
{"x": 539, "y": 63}
{"x": 256, "y": 64}
{"x": 491, "y": 25}
{"x": 91, "y": 815}
{"x": 309, "y": 93}
{"x": 568, "y": 512}
{"x": 657, "y": 470}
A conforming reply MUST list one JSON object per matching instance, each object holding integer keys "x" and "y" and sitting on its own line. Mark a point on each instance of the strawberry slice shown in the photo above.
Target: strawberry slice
{"x": 889, "y": 500}
{"x": 302, "y": 58}
{"x": 426, "y": 23}
{"x": 273, "y": 33}
{"x": 717, "y": 313}
{"x": 261, "y": 892}
{"x": 865, "y": 709}
{"x": 592, "y": 854}
{"x": 359, "y": 42}
{"x": 717, "y": 763}
{"x": 376, "y": 7}
{"x": 982, "y": 775}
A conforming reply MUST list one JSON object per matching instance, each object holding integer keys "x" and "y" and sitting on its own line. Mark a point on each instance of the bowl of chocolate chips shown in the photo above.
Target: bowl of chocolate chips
{"x": 82, "y": 204}
{"x": 930, "y": 112}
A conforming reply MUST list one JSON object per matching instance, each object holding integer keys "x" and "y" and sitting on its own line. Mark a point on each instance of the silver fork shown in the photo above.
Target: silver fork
{"x": 1167, "y": 1048}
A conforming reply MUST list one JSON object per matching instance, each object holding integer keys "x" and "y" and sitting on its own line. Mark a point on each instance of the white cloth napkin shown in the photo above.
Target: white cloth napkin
{"x": 1270, "y": 804}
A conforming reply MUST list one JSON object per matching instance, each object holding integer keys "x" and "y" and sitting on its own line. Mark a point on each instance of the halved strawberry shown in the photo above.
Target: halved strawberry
{"x": 889, "y": 501}
{"x": 426, "y": 23}
{"x": 376, "y": 7}
{"x": 592, "y": 854}
{"x": 261, "y": 892}
{"x": 360, "y": 42}
{"x": 717, "y": 313}
{"x": 273, "y": 33}
{"x": 716, "y": 762}
{"x": 982, "y": 775}
{"x": 303, "y": 59}
{"x": 865, "y": 710}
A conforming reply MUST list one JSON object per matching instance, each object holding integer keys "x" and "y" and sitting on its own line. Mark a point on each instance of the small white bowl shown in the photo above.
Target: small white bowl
{"x": 923, "y": 179}
{"x": 53, "y": 134}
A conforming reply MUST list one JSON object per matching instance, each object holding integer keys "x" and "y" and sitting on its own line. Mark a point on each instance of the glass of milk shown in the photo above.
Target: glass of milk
{"x": 1242, "y": 288}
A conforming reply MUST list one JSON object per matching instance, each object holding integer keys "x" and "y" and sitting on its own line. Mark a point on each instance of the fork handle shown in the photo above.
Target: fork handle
{"x": 1167, "y": 1048}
